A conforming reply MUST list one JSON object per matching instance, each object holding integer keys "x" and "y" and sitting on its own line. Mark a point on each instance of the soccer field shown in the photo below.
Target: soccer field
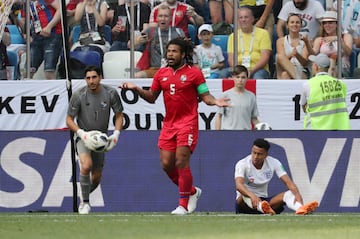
{"x": 163, "y": 225}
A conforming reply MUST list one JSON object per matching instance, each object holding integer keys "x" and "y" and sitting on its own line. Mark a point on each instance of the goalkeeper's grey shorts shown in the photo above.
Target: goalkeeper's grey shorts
{"x": 98, "y": 158}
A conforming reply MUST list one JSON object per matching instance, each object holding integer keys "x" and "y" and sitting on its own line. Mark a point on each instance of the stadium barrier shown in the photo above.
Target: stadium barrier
{"x": 35, "y": 170}
{"x": 42, "y": 105}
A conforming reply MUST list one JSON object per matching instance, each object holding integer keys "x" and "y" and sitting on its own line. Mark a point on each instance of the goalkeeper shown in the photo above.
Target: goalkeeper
{"x": 91, "y": 106}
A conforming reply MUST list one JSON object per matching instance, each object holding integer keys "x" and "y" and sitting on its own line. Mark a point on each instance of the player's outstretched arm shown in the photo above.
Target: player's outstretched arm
{"x": 211, "y": 100}
{"x": 148, "y": 95}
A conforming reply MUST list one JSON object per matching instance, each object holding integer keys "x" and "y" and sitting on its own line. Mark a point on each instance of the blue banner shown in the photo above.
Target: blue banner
{"x": 35, "y": 170}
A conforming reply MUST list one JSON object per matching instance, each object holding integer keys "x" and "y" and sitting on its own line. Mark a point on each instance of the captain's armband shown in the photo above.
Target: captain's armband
{"x": 203, "y": 88}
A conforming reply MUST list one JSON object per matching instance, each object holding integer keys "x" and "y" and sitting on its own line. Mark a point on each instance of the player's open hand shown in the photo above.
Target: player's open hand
{"x": 223, "y": 102}
{"x": 128, "y": 85}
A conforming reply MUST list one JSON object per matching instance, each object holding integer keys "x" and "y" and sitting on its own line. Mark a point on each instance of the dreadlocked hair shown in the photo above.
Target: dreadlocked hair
{"x": 186, "y": 47}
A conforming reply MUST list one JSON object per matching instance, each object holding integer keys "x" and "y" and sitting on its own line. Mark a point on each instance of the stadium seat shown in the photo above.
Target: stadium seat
{"x": 91, "y": 48}
{"x": 76, "y": 33}
{"x": 87, "y": 57}
{"x": 16, "y": 37}
{"x": 193, "y": 34}
{"x": 114, "y": 68}
{"x": 221, "y": 41}
{"x": 14, "y": 61}
{"x": 78, "y": 60}
{"x": 354, "y": 60}
{"x": 225, "y": 54}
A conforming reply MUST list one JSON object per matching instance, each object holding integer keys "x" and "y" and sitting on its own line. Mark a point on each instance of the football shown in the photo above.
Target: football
{"x": 262, "y": 126}
{"x": 99, "y": 141}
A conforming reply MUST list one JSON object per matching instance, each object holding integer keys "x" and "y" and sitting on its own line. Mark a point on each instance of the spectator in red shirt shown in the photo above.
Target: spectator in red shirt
{"x": 46, "y": 42}
{"x": 70, "y": 12}
{"x": 4, "y": 61}
{"x": 181, "y": 15}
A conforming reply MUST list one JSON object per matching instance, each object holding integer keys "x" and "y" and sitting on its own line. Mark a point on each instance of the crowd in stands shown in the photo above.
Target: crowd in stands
{"x": 274, "y": 38}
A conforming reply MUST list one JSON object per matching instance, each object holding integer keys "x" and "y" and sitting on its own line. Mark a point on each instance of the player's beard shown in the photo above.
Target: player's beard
{"x": 301, "y": 5}
{"x": 175, "y": 64}
{"x": 93, "y": 87}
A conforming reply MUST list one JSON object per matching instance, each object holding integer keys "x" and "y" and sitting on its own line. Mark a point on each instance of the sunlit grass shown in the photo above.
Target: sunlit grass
{"x": 163, "y": 225}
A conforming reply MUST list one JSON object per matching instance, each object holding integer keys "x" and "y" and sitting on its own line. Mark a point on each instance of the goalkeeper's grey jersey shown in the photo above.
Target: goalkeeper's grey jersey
{"x": 92, "y": 111}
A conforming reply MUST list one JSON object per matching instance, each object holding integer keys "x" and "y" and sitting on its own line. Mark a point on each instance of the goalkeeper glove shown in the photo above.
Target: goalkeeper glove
{"x": 113, "y": 139}
{"x": 85, "y": 136}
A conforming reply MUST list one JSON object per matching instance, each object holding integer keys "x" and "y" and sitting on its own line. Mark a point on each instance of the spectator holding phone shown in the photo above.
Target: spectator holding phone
{"x": 155, "y": 40}
{"x": 120, "y": 19}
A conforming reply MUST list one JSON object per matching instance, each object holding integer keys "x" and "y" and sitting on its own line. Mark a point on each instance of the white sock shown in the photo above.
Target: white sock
{"x": 248, "y": 202}
{"x": 259, "y": 207}
{"x": 289, "y": 199}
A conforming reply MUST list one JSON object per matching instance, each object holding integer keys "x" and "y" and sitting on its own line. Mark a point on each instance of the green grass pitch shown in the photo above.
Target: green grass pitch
{"x": 163, "y": 225}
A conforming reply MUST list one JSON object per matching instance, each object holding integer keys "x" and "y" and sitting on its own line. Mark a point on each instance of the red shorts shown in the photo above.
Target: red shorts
{"x": 170, "y": 139}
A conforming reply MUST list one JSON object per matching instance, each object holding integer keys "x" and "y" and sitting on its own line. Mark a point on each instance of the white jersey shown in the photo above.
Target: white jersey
{"x": 207, "y": 57}
{"x": 257, "y": 180}
{"x": 310, "y": 16}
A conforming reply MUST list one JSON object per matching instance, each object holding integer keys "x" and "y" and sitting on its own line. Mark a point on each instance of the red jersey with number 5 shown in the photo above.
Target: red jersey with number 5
{"x": 180, "y": 94}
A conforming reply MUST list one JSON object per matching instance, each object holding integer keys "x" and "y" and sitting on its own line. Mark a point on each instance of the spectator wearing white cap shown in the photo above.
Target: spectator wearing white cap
{"x": 327, "y": 43}
{"x": 208, "y": 56}
{"x": 324, "y": 98}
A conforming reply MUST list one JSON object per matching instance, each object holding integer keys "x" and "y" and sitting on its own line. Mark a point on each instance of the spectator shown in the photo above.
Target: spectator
{"x": 155, "y": 40}
{"x": 243, "y": 109}
{"x": 208, "y": 56}
{"x": 254, "y": 46}
{"x": 350, "y": 19}
{"x": 252, "y": 177}
{"x": 327, "y": 43}
{"x": 46, "y": 42}
{"x": 217, "y": 7}
{"x": 92, "y": 17}
{"x": 70, "y": 12}
{"x": 322, "y": 2}
{"x": 276, "y": 9}
{"x": 4, "y": 61}
{"x": 324, "y": 98}
{"x": 292, "y": 53}
{"x": 310, "y": 10}
{"x": 350, "y": 14}
{"x": 181, "y": 15}
{"x": 150, "y": 3}
{"x": 262, "y": 11}
{"x": 121, "y": 34}
{"x": 201, "y": 7}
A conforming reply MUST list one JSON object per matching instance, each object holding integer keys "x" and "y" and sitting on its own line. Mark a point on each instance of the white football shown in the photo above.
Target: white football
{"x": 262, "y": 126}
{"x": 99, "y": 141}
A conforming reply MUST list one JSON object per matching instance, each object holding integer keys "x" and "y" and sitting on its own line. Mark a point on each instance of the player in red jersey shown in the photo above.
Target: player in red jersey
{"x": 181, "y": 84}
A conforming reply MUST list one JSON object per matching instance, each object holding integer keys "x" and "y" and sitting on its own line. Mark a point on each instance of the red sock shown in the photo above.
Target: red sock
{"x": 185, "y": 186}
{"x": 174, "y": 176}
